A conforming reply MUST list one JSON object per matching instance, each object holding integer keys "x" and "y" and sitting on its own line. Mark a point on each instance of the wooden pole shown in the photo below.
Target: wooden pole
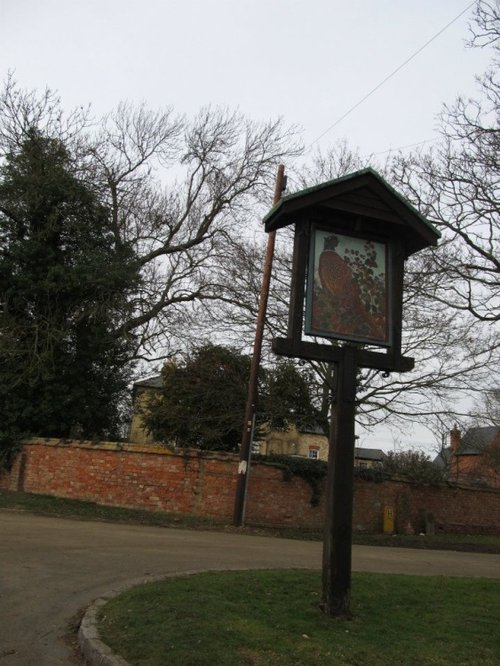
{"x": 337, "y": 545}
{"x": 246, "y": 438}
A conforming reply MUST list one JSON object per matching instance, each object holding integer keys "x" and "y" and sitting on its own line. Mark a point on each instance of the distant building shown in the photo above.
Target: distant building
{"x": 474, "y": 458}
{"x": 309, "y": 443}
{"x": 141, "y": 392}
{"x": 312, "y": 443}
{"x": 369, "y": 458}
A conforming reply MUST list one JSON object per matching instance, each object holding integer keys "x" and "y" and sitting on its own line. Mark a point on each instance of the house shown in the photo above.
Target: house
{"x": 312, "y": 443}
{"x": 141, "y": 393}
{"x": 309, "y": 443}
{"x": 368, "y": 458}
{"x": 474, "y": 458}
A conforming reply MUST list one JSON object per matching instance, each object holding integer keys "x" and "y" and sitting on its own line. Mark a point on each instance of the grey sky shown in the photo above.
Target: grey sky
{"x": 307, "y": 61}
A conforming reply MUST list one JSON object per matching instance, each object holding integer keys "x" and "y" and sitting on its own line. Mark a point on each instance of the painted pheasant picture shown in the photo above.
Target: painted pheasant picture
{"x": 349, "y": 288}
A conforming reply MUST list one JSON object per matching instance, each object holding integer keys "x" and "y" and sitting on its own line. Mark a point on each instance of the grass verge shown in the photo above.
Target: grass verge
{"x": 48, "y": 505}
{"x": 271, "y": 618}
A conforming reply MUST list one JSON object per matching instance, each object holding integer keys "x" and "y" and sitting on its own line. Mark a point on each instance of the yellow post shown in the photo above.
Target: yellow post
{"x": 388, "y": 520}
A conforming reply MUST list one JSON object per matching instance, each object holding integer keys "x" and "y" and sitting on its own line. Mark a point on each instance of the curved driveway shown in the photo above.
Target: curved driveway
{"x": 50, "y": 568}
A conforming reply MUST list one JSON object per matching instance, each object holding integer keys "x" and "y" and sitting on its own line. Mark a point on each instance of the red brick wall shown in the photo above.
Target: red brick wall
{"x": 148, "y": 477}
{"x": 450, "y": 508}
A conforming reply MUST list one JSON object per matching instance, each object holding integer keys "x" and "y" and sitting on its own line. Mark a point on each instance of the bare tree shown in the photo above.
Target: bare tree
{"x": 184, "y": 232}
{"x": 21, "y": 111}
{"x": 179, "y": 191}
{"x": 338, "y": 160}
{"x": 457, "y": 186}
{"x": 485, "y": 28}
{"x": 486, "y": 410}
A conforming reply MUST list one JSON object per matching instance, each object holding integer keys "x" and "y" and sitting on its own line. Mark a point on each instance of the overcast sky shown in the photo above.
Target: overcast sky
{"x": 308, "y": 61}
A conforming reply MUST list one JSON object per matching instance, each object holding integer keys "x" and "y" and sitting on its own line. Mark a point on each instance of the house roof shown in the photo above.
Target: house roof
{"x": 476, "y": 440}
{"x": 152, "y": 382}
{"x": 442, "y": 460}
{"x": 312, "y": 429}
{"x": 472, "y": 443}
{"x": 368, "y": 454}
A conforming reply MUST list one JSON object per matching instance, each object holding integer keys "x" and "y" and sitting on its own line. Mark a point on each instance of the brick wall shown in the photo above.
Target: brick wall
{"x": 148, "y": 477}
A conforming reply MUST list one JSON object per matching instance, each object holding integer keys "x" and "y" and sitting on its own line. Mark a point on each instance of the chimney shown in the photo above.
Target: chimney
{"x": 454, "y": 449}
{"x": 455, "y": 440}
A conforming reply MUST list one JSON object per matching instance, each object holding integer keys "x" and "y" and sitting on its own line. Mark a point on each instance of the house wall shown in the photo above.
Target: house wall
{"x": 137, "y": 432}
{"x": 477, "y": 468}
{"x": 473, "y": 467}
{"x": 367, "y": 463}
{"x": 292, "y": 442}
{"x": 154, "y": 478}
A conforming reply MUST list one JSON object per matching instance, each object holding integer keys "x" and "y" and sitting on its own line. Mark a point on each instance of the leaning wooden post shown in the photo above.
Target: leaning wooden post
{"x": 250, "y": 408}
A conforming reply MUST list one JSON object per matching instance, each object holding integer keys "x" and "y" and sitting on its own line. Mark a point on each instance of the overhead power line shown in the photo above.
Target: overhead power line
{"x": 398, "y": 148}
{"x": 393, "y": 73}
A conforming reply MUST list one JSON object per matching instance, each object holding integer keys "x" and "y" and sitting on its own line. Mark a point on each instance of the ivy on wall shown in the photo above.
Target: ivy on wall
{"x": 314, "y": 472}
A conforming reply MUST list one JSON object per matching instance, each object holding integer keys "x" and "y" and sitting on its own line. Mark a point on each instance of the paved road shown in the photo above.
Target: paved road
{"x": 50, "y": 568}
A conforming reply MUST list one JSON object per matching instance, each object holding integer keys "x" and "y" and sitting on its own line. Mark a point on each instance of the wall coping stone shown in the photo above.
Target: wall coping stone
{"x": 130, "y": 447}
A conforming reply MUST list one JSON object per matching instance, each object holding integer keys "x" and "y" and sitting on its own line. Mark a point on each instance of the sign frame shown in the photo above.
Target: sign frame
{"x": 349, "y": 296}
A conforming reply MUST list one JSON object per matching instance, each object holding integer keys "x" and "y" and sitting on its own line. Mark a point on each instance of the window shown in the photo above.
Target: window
{"x": 313, "y": 454}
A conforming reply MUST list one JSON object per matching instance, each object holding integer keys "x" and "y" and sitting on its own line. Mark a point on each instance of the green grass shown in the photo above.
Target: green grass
{"x": 272, "y": 618}
{"x": 48, "y": 505}
{"x": 479, "y": 543}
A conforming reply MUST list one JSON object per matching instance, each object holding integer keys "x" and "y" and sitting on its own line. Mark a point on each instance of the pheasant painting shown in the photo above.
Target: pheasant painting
{"x": 348, "y": 296}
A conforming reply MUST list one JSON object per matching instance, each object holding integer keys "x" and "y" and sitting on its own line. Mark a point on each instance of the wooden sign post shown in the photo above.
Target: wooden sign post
{"x": 352, "y": 236}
